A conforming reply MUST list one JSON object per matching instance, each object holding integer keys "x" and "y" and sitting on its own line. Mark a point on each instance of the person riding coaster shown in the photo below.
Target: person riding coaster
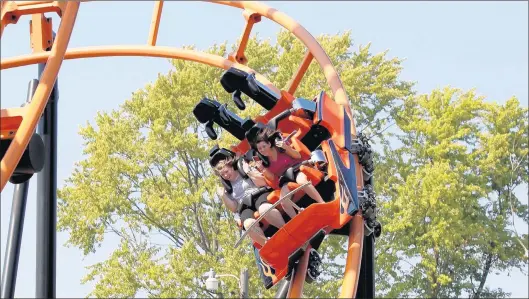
{"x": 244, "y": 192}
{"x": 280, "y": 161}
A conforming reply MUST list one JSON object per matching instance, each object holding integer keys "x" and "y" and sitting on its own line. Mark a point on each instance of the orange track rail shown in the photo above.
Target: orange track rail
{"x": 12, "y": 10}
{"x": 139, "y": 50}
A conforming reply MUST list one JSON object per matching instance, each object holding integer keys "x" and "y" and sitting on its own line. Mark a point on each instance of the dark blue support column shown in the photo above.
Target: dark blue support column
{"x": 14, "y": 240}
{"x": 18, "y": 212}
{"x": 47, "y": 200}
{"x": 366, "y": 282}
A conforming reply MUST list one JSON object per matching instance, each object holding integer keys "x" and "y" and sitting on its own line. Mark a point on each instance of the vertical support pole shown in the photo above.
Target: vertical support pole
{"x": 366, "y": 281}
{"x": 302, "y": 69}
{"x": 16, "y": 225}
{"x": 244, "y": 283}
{"x": 47, "y": 199}
{"x": 298, "y": 276}
{"x": 282, "y": 291}
{"x": 155, "y": 23}
{"x": 354, "y": 257}
{"x": 14, "y": 240}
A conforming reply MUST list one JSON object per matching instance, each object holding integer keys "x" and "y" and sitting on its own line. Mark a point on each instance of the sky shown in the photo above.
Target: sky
{"x": 481, "y": 45}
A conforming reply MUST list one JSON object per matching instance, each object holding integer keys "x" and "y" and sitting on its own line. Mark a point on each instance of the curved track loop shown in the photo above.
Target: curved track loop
{"x": 59, "y": 53}
{"x": 306, "y": 38}
{"x": 138, "y": 50}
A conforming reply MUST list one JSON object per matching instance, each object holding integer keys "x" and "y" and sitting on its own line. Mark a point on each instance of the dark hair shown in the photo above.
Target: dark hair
{"x": 268, "y": 135}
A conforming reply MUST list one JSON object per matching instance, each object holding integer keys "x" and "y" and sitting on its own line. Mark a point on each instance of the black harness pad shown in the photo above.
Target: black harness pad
{"x": 234, "y": 79}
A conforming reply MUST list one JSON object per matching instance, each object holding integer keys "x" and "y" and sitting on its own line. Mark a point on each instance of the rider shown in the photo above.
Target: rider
{"x": 280, "y": 156}
{"x": 241, "y": 201}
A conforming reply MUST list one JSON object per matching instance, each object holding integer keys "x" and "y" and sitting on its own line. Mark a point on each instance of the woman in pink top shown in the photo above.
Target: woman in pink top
{"x": 281, "y": 156}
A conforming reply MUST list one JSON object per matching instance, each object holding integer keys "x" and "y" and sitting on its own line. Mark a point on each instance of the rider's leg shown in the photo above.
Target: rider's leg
{"x": 311, "y": 191}
{"x": 274, "y": 216}
{"x": 287, "y": 204}
{"x": 256, "y": 233}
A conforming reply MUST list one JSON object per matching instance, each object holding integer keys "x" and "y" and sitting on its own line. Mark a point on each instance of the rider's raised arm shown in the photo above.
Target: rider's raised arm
{"x": 289, "y": 150}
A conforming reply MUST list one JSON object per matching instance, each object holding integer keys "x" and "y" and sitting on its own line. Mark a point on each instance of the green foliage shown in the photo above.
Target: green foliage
{"x": 445, "y": 177}
{"x": 448, "y": 199}
{"x": 145, "y": 179}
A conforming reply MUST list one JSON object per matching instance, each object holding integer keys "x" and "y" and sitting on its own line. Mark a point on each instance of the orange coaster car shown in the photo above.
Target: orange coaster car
{"x": 331, "y": 169}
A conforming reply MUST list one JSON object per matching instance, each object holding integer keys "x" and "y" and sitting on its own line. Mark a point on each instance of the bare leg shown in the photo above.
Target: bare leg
{"x": 273, "y": 217}
{"x": 286, "y": 204}
{"x": 256, "y": 233}
{"x": 310, "y": 189}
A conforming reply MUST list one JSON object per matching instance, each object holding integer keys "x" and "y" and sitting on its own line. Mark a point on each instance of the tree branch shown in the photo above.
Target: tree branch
{"x": 203, "y": 238}
{"x": 151, "y": 220}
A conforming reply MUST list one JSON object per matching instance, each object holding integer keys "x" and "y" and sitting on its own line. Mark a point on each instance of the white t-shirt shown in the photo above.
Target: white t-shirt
{"x": 241, "y": 188}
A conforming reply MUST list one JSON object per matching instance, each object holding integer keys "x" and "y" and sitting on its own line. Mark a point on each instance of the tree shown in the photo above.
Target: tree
{"x": 145, "y": 179}
{"x": 447, "y": 193}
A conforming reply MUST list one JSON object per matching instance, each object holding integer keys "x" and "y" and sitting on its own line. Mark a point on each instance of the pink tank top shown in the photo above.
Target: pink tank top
{"x": 283, "y": 162}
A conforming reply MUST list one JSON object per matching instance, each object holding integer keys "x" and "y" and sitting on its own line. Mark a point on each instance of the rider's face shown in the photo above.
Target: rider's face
{"x": 228, "y": 173}
{"x": 264, "y": 148}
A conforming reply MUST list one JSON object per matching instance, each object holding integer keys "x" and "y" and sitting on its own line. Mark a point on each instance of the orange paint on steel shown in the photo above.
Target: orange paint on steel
{"x": 12, "y": 112}
{"x": 155, "y": 23}
{"x": 303, "y": 67}
{"x": 43, "y": 2}
{"x": 354, "y": 257}
{"x": 13, "y": 10}
{"x": 41, "y": 33}
{"x": 33, "y": 7}
{"x": 42, "y": 93}
{"x": 7, "y": 15}
{"x": 251, "y": 18}
{"x": 32, "y": 3}
{"x": 140, "y": 50}
{"x": 295, "y": 289}
{"x": 10, "y": 121}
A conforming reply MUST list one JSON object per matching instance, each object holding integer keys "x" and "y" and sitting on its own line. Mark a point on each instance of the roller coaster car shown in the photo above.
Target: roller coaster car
{"x": 236, "y": 81}
{"x": 320, "y": 123}
{"x": 209, "y": 112}
{"x": 336, "y": 181}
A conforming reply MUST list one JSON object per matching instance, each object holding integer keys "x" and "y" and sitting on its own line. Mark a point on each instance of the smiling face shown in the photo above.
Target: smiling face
{"x": 264, "y": 148}
{"x": 225, "y": 170}
{"x": 228, "y": 173}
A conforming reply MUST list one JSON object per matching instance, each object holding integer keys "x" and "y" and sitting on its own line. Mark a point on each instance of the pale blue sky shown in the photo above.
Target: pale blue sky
{"x": 480, "y": 45}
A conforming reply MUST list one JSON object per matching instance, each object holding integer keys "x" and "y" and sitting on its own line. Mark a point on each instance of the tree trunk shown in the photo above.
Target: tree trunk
{"x": 484, "y": 275}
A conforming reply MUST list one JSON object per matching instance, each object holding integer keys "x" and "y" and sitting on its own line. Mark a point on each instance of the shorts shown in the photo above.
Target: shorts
{"x": 284, "y": 180}
{"x": 247, "y": 212}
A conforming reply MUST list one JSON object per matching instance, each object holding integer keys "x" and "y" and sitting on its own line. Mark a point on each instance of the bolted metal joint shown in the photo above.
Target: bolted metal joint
{"x": 368, "y": 206}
